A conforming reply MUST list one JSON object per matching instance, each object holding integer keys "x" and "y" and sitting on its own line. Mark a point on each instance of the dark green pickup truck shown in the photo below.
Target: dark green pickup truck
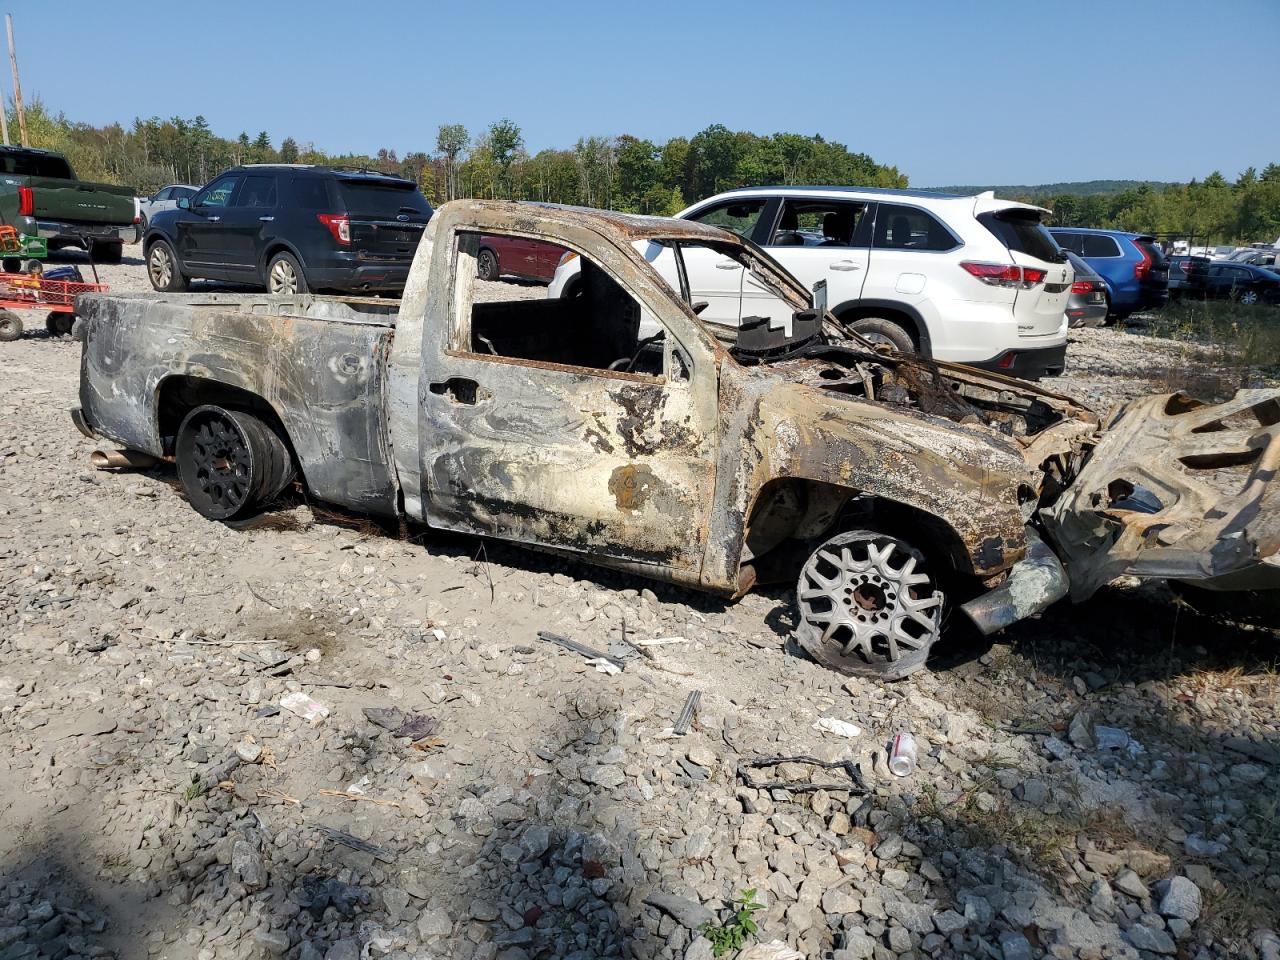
{"x": 40, "y": 196}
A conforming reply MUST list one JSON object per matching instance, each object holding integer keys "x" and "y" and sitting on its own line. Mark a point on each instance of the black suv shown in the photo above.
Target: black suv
{"x": 292, "y": 229}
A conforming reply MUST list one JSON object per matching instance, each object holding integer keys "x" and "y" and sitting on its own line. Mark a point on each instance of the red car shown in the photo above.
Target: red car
{"x": 517, "y": 257}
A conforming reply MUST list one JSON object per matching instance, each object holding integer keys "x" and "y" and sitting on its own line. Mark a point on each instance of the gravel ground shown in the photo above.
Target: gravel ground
{"x": 1100, "y": 782}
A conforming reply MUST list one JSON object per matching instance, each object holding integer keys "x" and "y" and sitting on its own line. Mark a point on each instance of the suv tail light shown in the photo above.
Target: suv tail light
{"x": 1082, "y": 286}
{"x": 1005, "y": 274}
{"x": 339, "y": 225}
{"x": 26, "y": 202}
{"x": 1143, "y": 267}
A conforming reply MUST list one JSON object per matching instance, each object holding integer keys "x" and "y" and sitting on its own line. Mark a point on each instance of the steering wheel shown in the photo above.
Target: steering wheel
{"x": 626, "y": 363}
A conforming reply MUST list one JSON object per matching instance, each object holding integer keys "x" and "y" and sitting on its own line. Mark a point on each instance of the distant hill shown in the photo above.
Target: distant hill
{"x": 1080, "y": 188}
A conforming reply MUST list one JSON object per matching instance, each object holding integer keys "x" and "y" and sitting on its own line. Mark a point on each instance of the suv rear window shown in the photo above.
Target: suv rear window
{"x": 382, "y": 198}
{"x": 35, "y": 165}
{"x": 1022, "y": 232}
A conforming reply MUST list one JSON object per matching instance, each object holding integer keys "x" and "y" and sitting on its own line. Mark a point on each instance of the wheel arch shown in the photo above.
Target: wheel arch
{"x": 180, "y": 393}
{"x": 907, "y": 316}
{"x": 789, "y": 514}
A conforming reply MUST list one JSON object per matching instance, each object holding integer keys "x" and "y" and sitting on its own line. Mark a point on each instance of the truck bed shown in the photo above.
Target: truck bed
{"x": 320, "y": 363}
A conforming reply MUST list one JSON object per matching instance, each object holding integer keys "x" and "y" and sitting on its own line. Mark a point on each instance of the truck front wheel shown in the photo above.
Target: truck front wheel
{"x": 230, "y": 462}
{"x": 868, "y": 605}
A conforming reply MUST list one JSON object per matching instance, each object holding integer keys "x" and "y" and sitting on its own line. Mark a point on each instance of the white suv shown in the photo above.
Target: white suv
{"x": 971, "y": 279}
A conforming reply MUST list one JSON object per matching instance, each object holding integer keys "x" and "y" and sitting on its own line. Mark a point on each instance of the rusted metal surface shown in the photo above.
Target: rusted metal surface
{"x": 1177, "y": 489}
{"x": 318, "y": 363}
{"x": 705, "y": 472}
{"x": 1035, "y": 583}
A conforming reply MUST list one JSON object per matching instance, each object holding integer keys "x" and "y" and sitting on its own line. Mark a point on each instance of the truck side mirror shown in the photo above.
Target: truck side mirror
{"x": 184, "y": 203}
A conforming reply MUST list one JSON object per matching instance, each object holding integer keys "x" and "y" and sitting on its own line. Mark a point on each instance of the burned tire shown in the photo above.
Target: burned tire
{"x": 487, "y": 265}
{"x": 230, "y": 463}
{"x": 10, "y": 326}
{"x": 12, "y": 264}
{"x": 868, "y": 606}
{"x": 881, "y": 331}
{"x": 162, "y": 268}
{"x": 58, "y": 323}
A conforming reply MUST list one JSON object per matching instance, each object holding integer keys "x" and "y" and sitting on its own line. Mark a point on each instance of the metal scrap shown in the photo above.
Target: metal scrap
{"x": 687, "y": 714}
{"x": 591, "y": 653}
{"x": 855, "y": 783}
{"x": 1209, "y": 472}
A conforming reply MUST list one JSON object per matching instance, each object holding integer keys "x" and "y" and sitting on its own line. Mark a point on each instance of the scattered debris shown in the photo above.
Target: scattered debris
{"x": 687, "y": 714}
{"x": 582, "y": 649}
{"x": 355, "y": 843}
{"x": 302, "y": 705}
{"x": 903, "y": 755}
{"x": 855, "y": 783}
{"x": 660, "y": 641}
{"x": 841, "y": 728}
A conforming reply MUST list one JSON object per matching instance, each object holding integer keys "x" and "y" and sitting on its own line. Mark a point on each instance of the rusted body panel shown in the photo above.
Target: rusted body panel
{"x": 661, "y": 475}
{"x": 318, "y": 362}
{"x": 697, "y": 473}
{"x": 1177, "y": 489}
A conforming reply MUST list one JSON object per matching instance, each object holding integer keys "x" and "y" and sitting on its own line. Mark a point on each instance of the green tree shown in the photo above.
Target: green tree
{"x": 451, "y": 140}
{"x": 261, "y": 151}
{"x": 289, "y": 150}
{"x": 505, "y": 143}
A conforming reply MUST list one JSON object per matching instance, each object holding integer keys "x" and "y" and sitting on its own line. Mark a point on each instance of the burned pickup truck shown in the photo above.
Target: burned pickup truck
{"x": 709, "y": 456}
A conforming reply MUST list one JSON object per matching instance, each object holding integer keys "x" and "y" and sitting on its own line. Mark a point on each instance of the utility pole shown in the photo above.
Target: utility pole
{"x": 17, "y": 85}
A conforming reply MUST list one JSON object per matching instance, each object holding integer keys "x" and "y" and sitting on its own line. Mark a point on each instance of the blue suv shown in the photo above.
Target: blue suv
{"x": 1131, "y": 264}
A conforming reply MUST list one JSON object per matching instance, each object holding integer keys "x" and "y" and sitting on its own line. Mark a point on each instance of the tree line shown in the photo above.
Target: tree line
{"x": 627, "y": 173}
{"x": 1212, "y": 210}
{"x": 618, "y": 172}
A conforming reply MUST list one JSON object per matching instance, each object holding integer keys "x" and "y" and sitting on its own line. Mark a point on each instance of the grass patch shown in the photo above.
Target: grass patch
{"x": 1246, "y": 340}
{"x": 1035, "y": 837}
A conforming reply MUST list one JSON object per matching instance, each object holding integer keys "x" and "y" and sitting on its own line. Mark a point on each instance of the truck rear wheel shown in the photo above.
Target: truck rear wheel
{"x": 10, "y": 326}
{"x": 229, "y": 462}
{"x": 162, "y": 268}
{"x": 106, "y": 252}
{"x": 869, "y": 606}
{"x": 487, "y": 265}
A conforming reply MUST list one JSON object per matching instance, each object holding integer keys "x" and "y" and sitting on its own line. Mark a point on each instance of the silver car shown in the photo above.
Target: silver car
{"x": 166, "y": 198}
{"x": 1087, "y": 306}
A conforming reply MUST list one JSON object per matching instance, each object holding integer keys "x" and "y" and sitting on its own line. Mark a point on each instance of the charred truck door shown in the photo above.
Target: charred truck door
{"x": 556, "y": 422}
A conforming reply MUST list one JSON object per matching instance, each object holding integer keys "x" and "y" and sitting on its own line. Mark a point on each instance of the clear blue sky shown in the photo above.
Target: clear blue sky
{"x": 950, "y": 92}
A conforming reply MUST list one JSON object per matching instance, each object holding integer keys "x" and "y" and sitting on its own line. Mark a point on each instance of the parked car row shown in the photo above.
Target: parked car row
{"x": 1243, "y": 283}
{"x": 971, "y": 279}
